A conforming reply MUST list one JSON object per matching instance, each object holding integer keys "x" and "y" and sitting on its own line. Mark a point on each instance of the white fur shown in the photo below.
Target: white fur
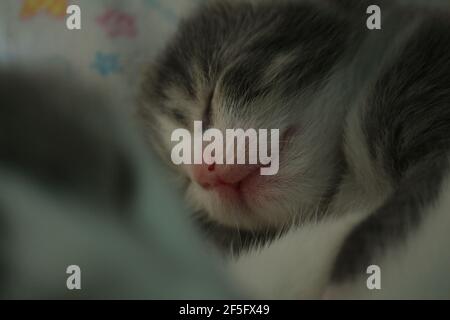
{"x": 418, "y": 269}
{"x": 295, "y": 267}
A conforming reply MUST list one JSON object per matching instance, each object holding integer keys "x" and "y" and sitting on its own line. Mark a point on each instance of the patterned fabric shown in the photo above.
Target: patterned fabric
{"x": 117, "y": 37}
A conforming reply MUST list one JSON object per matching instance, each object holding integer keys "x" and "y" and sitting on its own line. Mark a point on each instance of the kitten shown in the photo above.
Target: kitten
{"x": 365, "y": 121}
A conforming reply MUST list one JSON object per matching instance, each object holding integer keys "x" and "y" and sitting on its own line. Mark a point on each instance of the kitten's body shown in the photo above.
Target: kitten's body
{"x": 365, "y": 176}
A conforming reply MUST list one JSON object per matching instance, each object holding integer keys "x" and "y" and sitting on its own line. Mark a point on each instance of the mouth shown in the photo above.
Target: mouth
{"x": 245, "y": 183}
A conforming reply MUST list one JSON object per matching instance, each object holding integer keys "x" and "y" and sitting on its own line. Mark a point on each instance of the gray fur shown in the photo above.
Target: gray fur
{"x": 407, "y": 127}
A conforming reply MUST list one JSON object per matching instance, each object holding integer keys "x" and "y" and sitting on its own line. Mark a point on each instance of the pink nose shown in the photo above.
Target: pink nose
{"x": 214, "y": 176}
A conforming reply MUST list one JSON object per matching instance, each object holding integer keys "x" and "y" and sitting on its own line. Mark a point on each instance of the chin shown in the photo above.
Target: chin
{"x": 256, "y": 206}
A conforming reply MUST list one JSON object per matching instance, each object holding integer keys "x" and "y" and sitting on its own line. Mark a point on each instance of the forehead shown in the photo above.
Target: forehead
{"x": 252, "y": 47}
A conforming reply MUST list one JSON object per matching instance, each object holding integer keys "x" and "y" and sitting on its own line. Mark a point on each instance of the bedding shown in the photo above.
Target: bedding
{"x": 154, "y": 254}
{"x": 117, "y": 38}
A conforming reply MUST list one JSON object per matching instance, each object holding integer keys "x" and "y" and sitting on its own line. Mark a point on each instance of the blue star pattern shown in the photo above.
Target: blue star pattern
{"x": 106, "y": 64}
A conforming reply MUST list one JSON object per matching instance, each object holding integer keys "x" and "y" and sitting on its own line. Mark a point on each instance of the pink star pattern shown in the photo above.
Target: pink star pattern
{"x": 118, "y": 23}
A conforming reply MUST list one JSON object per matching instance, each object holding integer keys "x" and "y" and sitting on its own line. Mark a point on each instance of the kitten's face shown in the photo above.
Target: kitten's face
{"x": 241, "y": 66}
